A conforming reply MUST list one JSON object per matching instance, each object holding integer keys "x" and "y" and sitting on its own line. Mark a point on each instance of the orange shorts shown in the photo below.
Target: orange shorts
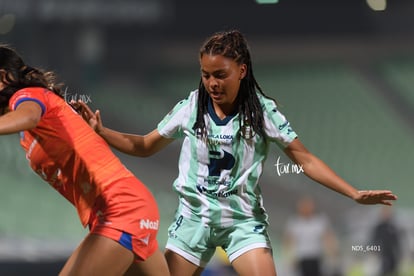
{"x": 127, "y": 212}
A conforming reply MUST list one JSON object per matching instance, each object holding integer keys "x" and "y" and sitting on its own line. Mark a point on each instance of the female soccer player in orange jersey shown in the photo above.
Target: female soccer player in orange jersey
{"x": 119, "y": 210}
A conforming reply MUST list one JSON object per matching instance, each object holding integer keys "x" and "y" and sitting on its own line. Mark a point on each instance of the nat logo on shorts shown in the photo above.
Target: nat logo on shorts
{"x": 149, "y": 224}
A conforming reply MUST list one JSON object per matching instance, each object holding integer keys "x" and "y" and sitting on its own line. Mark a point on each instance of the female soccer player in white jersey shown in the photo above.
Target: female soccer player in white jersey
{"x": 227, "y": 125}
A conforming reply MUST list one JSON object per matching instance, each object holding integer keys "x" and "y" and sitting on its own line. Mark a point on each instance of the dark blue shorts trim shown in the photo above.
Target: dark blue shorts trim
{"x": 126, "y": 240}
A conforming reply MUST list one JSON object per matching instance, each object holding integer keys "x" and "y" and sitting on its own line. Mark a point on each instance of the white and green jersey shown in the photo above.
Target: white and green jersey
{"x": 218, "y": 175}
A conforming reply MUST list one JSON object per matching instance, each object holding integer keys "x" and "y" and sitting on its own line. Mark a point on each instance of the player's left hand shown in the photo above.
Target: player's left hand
{"x": 384, "y": 197}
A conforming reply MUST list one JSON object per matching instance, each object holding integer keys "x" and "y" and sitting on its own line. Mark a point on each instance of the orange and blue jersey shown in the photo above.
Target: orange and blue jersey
{"x": 66, "y": 152}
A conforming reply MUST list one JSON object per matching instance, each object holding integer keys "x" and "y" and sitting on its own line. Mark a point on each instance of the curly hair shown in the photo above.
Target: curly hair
{"x": 15, "y": 74}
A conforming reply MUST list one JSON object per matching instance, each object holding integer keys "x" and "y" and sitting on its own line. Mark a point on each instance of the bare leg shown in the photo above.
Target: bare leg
{"x": 255, "y": 262}
{"x": 179, "y": 266}
{"x": 98, "y": 255}
{"x": 155, "y": 265}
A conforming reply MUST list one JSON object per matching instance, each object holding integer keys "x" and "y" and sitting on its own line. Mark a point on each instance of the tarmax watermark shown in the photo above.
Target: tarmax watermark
{"x": 288, "y": 168}
{"x": 74, "y": 97}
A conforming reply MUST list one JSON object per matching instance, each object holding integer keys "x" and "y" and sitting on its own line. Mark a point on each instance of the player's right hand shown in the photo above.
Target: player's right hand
{"x": 92, "y": 118}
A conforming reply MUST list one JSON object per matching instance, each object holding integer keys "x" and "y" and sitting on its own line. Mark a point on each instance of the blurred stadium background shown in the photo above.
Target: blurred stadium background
{"x": 342, "y": 73}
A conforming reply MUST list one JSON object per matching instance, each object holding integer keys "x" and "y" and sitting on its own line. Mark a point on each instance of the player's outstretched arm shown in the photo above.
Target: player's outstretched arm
{"x": 26, "y": 116}
{"x": 132, "y": 144}
{"x": 320, "y": 172}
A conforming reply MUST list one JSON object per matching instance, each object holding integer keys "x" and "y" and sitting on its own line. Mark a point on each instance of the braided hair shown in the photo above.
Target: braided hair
{"x": 233, "y": 45}
{"x": 17, "y": 75}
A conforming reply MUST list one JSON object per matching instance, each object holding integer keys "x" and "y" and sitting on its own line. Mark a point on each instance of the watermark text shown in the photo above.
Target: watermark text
{"x": 287, "y": 168}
